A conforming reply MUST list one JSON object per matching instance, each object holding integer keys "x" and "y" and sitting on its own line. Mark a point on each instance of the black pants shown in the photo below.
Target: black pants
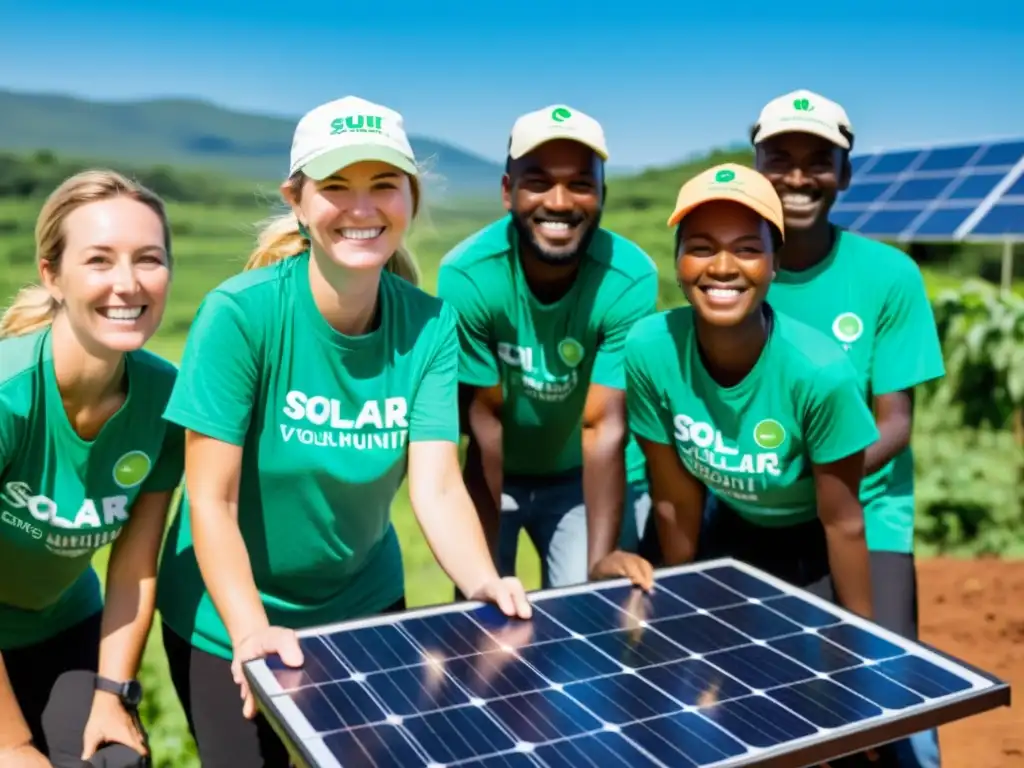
{"x": 213, "y": 709}
{"x": 53, "y": 682}
{"x": 797, "y": 554}
{"x": 894, "y": 592}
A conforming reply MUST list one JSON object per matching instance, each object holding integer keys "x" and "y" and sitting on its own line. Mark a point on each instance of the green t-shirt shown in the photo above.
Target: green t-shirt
{"x": 753, "y": 444}
{"x": 870, "y": 298}
{"x": 325, "y": 421}
{"x": 62, "y": 497}
{"x": 545, "y": 356}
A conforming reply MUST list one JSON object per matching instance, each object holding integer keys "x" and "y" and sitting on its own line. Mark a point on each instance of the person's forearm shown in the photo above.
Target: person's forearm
{"x": 14, "y": 731}
{"x": 454, "y": 534}
{"x": 127, "y": 615}
{"x": 850, "y": 566}
{"x": 893, "y": 437}
{"x": 678, "y": 546}
{"x": 604, "y": 489}
{"x": 485, "y": 472}
{"x": 224, "y": 564}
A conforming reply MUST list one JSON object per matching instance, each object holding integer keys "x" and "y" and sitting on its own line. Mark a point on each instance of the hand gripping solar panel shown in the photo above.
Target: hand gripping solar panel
{"x": 722, "y": 665}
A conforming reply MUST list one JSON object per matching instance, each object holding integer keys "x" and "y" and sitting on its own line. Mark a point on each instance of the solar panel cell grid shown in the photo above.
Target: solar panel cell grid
{"x": 718, "y": 667}
{"x": 1003, "y": 219}
{"x": 939, "y": 182}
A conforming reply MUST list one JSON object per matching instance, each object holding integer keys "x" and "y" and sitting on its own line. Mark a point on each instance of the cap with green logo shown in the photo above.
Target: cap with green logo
{"x": 804, "y": 111}
{"x": 131, "y": 469}
{"x": 350, "y": 130}
{"x": 730, "y": 181}
{"x": 556, "y": 121}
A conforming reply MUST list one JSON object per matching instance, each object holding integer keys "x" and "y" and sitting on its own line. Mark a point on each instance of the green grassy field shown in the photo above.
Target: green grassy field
{"x": 210, "y": 244}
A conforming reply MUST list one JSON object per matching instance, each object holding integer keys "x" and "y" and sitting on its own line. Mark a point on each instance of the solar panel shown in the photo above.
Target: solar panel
{"x": 966, "y": 192}
{"x": 721, "y": 666}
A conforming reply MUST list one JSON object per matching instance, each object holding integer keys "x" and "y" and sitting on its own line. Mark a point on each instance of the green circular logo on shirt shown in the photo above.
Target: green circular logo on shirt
{"x": 131, "y": 469}
{"x": 769, "y": 434}
{"x": 847, "y": 327}
{"x": 571, "y": 351}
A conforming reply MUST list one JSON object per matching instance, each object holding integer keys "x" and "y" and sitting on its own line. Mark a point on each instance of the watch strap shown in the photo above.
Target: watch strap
{"x": 108, "y": 685}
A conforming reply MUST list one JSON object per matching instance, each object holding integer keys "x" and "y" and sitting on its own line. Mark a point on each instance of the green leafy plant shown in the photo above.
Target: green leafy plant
{"x": 969, "y": 454}
{"x": 982, "y": 334}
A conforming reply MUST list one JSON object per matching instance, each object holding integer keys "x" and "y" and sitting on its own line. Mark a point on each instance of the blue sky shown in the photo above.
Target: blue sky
{"x": 665, "y": 80}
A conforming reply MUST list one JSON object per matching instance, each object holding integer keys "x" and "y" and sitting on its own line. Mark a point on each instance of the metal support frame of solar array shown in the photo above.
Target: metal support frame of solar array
{"x": 721, "y": 666}
{"x": 962, "y": 193}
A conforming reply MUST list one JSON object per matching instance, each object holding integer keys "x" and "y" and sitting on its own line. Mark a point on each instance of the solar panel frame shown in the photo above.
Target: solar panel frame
{"x": 896, "y": 168}
{"x": 986, "y": 692}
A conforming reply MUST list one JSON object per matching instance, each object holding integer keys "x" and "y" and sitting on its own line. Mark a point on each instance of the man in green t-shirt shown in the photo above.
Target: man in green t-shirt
{"x": 870, "y": 299}
{"x": 545, "y": 298}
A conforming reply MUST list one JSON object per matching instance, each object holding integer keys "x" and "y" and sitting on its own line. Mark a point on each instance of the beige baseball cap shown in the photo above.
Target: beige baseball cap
{"x": 730, "y": 182}
{"x": 349, "y": 130}
{"x": 557, "y": 121}
{"x": 803, "y": 112}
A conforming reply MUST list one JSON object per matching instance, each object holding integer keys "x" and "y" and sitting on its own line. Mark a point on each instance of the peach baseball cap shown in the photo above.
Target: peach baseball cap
{"x": 730, "y": 182}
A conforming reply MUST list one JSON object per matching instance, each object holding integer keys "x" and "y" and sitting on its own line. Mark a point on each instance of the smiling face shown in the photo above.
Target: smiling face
{"x": 555, "y": 194}
{"x": 113, "y": 274}
{"x": 808, "y": 172}
{"x": 358, "y": 216}
{"x": 725, "y": 261}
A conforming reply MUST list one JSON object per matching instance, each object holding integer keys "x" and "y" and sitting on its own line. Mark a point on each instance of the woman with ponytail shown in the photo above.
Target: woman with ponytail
{"x": 86, "y": 460}
{"x": 311, "y": 385}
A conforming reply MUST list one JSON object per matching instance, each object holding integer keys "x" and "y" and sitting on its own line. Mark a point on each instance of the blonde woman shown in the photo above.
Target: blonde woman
{"x": 311, "y": 384}
{"x": 86, "y": 460}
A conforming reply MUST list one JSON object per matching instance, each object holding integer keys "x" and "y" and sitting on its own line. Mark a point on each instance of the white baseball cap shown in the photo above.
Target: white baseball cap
{"x": 556, "y": 122}
{"x": 346, "y": 131}
{"x": 803, "y": 111}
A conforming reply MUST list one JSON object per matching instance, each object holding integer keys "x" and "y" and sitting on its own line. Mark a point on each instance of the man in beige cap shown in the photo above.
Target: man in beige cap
{"x": 546, "y": 297}
{"x": 870, "y": 298}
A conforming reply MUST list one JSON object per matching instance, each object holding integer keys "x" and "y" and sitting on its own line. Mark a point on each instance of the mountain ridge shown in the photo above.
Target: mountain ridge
{"x": 197, "y": 133}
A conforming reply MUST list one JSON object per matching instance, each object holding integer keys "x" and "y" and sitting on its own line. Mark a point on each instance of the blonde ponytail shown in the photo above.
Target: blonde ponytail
{"x": 403, "y": 264}
{"x": 281, "y": 238}
{"x": 33, "y": 307}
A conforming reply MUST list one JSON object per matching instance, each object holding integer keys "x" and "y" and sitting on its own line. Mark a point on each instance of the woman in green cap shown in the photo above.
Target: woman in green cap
{"x": 311, "y": 385}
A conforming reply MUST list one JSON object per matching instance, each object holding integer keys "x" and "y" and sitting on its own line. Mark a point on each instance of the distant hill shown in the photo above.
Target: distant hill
{"x": 185, "y": 132}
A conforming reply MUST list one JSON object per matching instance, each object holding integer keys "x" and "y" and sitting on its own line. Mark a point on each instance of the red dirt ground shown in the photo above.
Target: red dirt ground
{"x": 974, "y": 610}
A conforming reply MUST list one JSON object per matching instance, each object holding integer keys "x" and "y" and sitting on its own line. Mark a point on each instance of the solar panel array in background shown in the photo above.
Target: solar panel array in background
{"x": 968, "y": 192}
{"x": 718, "y": 667}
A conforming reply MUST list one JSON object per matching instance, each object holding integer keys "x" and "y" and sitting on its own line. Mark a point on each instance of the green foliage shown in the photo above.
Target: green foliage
{"x": 36, "y": 176}
{"x": 190, "y": 132}
{"x": 968, "y": 487}
{"x": 983, "y": 341}
{"x": 970, "y": 467}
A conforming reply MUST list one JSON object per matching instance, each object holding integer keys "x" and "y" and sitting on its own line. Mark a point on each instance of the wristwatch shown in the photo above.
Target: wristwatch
{"x": 129, "y": 692}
